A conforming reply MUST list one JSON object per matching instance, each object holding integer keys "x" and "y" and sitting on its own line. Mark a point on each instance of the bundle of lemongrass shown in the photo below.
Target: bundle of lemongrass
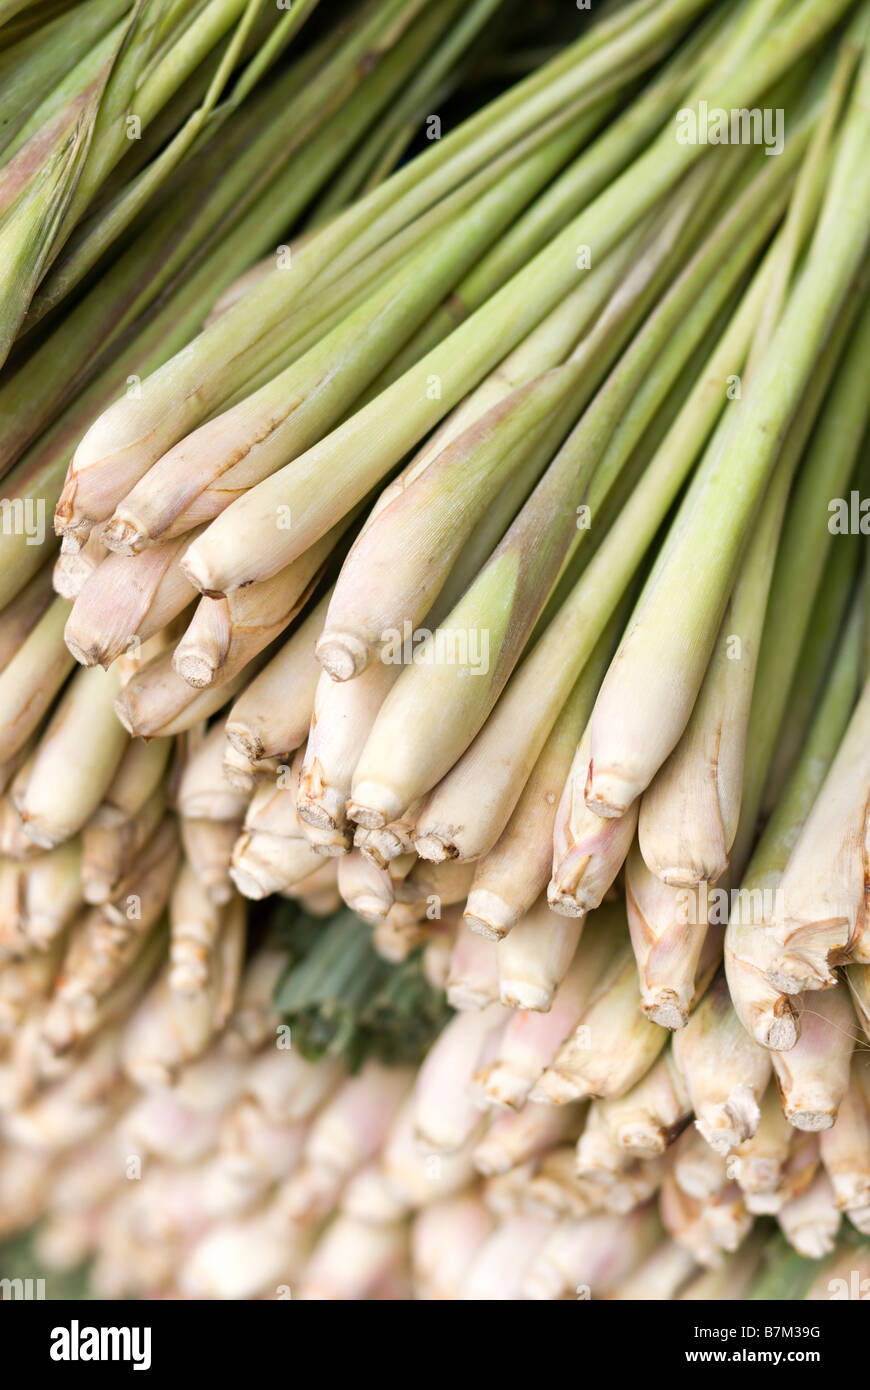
{"x": 474, "y": 565}
{"x": 256, "y": 1173}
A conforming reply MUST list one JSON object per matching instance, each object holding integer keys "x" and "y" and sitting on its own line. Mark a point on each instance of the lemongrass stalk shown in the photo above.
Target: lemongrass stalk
{"x": 817, "y": 655}
{"x": 510, "y": 585}
{"x": 273, "y": 714}
{"x": 342, "y": 716}
{"x": 621, "y": 551}
{"x": 75, "y": 761}
{"x": 612, "y": 1046}
{"x": 647, "y": 1119}
{"x": 155, "y": 702}
{"x": 226, "y": 633}
{"x": 588, "y": 851}
{"x": 763, "y": 1009}
{"x": 138, "y": 898}
{"x": 209, "y": 845}
{"x": 484, "y": 536}
{"x": 445, "y": 1114}
{"x": 724, "y": 1071}
{"x": 472, "y": 980}
{"x": 450, "y": 482}
{"x": 690, "y": 813}
{"x": 822, "y": 917}
{"x": 470, "y": 807}
{"x": 98, "y": 997}
{"x": 20, "y": 618}
{"x": 531, "y": 1040}
{"x": 167, "y": 1029}
{"x": 30, "y": 681}
{"x": 202, "y": 791}
{"x": 810, "y": 1222}
{"x": 74, "y": 566}
{"x": 195, "y": 924}
{"x": 365, "y": 888}
{"x": 697, "y": 1169}
{"x": 813, "y": 1076}
{"x": 497, "y": 128}
{"x": 535, "y": 957}
{"x": 625, "y": 755}
{"x": 445, "y": 1238}
{"x": 513, "y": 874}
{"x": 50, "y": 894}
{"x": 108, "y": 852}
{"x": 845, "y": 1148}
{"x": 668, "y": 929}
{"x": 125, "y": 601}
{"x": 262, "y": 863}
{"x": 797, "y": 1173}
{"x": 757, "y": 1163}
{"x": 272, "y": 853}
{"x": 517, "y": 1136}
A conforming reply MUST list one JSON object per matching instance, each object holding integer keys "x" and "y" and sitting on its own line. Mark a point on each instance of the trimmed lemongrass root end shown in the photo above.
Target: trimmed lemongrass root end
{"x": 373, "y": 806}
{"x": 342, "y": 655}
{"x": 489, "y": 915}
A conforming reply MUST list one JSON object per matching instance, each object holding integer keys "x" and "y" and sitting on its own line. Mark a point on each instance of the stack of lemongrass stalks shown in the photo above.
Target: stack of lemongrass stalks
{"x": 255, "y": 1173}
{"x": 472, "y": 566}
